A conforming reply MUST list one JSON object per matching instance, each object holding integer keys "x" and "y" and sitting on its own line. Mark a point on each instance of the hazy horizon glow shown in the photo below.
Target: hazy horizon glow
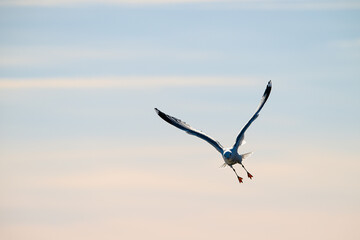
{"x": 228, "y": 4}
{"x": 84, "y": 156}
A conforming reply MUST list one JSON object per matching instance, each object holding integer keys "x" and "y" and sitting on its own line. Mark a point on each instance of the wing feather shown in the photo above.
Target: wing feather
{"x": 190, "y": 130}
{"x": 240, "y": 138}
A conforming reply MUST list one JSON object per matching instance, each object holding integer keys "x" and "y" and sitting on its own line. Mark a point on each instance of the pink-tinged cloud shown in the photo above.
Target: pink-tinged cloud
{"x": 241, "y": 4}
{"x": 127, "y": 82}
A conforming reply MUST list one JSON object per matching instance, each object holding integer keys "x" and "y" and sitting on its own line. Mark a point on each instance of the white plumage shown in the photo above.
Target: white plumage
{"x": 230, "y": 155}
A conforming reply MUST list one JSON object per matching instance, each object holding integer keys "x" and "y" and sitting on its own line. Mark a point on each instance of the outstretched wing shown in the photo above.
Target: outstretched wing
{"x": 190, "y": 130}
{"x": 240, "y": 138}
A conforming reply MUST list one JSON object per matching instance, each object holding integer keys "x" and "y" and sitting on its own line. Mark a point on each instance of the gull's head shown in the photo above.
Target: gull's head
{"x": 227, "y": 154}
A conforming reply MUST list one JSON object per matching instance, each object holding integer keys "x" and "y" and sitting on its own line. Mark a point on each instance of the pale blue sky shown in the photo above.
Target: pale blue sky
{"x": 84, "y": 156}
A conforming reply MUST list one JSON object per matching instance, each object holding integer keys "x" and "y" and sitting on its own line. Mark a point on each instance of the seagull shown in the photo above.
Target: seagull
{"x": 229, "y": 155}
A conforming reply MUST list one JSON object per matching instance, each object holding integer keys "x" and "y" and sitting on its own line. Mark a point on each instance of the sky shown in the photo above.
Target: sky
{"x": 84, "y": 156}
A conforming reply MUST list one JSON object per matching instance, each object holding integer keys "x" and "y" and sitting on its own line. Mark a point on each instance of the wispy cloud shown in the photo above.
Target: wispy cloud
{"x": 125, "y": 179}
{"x": 302, "y": 5}
{"x": 349, "y": 43}
{"x": 42, "y": 56}
{"x": 194, "y": 221}
{"x": 127, "y": 82}
{"x": 72, "y": 2}
{"x": 47, "y": 56}
{"x": 247, "y": 4}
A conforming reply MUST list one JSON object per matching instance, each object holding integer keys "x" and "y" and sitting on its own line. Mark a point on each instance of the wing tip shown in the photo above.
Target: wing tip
{"x": 163, "y": 116}
{"x": 267, "y": 90}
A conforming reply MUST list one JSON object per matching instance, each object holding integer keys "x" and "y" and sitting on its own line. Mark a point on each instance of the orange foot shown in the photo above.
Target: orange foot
{"x": 240, "y": 179}
{"x": 250, "y": 176}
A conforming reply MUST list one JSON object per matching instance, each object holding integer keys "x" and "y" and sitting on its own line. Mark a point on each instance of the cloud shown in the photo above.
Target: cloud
{"x": 195, "y": 224}
{"x": 72, "y": 2}
{"x": 231, "y": 4}
{"x": 125, "y": 178}
{"x": 346, "y": 44}
{"x": 126, "y": 82}
{"x": 301, "y": 191}
{"x": 44, "y": 56}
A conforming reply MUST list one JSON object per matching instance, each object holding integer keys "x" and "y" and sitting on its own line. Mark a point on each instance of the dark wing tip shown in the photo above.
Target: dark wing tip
{"x": 267, "y": 90}
{"x": 164, "y": 116}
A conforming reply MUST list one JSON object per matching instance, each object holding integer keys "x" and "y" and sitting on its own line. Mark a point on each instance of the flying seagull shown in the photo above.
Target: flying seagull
{"x": 230, "y": 155}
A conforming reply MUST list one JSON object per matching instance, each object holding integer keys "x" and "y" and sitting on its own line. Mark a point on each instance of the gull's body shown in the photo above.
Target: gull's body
{"x": 230, "y": 155}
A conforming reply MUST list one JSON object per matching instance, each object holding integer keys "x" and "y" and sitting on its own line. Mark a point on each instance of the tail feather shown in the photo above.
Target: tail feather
{"x": 223, "y": 165}
{"x": 245, "y": 155}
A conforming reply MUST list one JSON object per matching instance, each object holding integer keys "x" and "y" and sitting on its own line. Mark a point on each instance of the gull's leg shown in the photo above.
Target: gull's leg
{"x": 249, "y": 175}
{"x": 239, "y": 178}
